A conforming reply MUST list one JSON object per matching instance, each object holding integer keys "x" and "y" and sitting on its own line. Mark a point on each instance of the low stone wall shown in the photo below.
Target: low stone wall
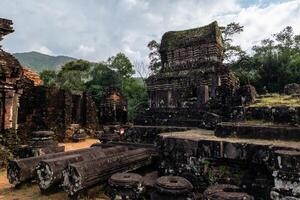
{"x": 279, "y": 114}
{"x": 183, "y": 117}
{"x": 148, "y": 134}
{"x": 208, "y": 160}
{"x": 258, "y": 131}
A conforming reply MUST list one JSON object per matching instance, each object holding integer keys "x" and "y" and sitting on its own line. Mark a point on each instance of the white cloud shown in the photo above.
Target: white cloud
{"x": 82, "y": 49}
{"x": 98, "y": 29}
{"x": 262, "y": 22}
{"x": 44, "y": 50}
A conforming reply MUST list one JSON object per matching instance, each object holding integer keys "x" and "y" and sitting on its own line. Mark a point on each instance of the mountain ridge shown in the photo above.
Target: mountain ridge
{"x": 39, "y": 61}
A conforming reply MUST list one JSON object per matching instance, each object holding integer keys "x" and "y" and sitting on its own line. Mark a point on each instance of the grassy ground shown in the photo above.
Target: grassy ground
{"x": 31, "y": 191}
{"x": 277, "y": 100}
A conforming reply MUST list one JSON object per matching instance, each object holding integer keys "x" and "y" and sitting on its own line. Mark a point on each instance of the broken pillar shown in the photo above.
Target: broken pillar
{"x": 172, "y": 187}
{"x": 42, "y": 143}
{"x": 49, "y": 171}
{"x": 125, "y": 186}
{"x": 148, "y": 183}
{"x": 22, "y": 170}
{"x": 79, "y": 176}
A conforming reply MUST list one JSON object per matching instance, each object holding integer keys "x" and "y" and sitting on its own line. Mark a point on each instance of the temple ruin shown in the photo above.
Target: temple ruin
{"x": 201, "y": 137}
{"x": 192, "y": 68}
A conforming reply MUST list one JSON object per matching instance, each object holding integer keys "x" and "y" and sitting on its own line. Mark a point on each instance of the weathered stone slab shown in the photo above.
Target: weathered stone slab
{"x": 149, "y": 134}
{"x": 172, "y": 187}
{"x": 204, "y": 158}
{"x": 258, "y": 131}
{"x": 276, "y": 114}
{"x": 225, "y": 192}
{"x": 125, "y": 186}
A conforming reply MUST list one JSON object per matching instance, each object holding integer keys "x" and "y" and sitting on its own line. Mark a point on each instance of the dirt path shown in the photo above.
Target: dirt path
{"x": 31, "y": 191}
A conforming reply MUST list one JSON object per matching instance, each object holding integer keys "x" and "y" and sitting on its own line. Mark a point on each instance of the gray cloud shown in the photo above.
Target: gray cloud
{"x": 97, "y": 29}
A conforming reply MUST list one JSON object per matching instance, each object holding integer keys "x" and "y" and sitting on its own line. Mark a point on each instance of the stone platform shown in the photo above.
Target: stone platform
{"x": 149, "y": 134}
{"x": 258, "y": 131}
{"x": 276, "y": 114}
{"x": 253, "y": 164}
{"x": 180, "y": 117}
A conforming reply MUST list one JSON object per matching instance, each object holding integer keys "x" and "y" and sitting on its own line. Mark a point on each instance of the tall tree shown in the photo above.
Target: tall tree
{"x": 48, "y": 77}
{"x": 154, "y": 56}
{"x": 232, "y": 52}
{"x": 74, "y": 75}
{"x": 122, "y": 64}
{"x": 102, "y": 78}
{"x": 136, "y": 94}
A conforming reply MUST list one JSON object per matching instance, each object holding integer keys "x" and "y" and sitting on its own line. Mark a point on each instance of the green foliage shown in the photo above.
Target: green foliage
{"x": 97, "y": 78}
{"x": 232, "y": 52}
{"x": 154, "y": 56}
{"x": 74, "y": 75}
{"x": 122, "y": 65}
{"x": 102, "y": 78}
{"x": 135, "y": 92}
{"x": 40, "y": 62}
{"x": 277, "y": 100}
{"x": 275, "y": 63}
{"x": 48, "y": 77}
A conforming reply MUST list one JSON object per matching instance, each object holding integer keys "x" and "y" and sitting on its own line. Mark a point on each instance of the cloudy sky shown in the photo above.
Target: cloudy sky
{"x": 97, "y": 29}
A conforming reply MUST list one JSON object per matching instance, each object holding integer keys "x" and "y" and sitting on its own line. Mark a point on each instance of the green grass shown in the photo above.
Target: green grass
{"x": 274, "y": 100}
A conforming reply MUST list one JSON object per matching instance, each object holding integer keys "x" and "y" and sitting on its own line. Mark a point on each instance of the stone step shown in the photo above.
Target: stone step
{"x": 277, "y": 114}
{"x": 149, "y": 134}
{"x": 258, "y": 131}
{"x": 169, "y": 122}
{"x": 252, "y": 164}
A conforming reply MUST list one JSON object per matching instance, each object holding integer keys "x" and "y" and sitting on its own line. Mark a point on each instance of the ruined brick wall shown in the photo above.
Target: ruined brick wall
{"x": 113, "y": 107}
{"x": 43, "y": 108}
{"x": 208, "y": 162}
{"x": 90, "y": 114}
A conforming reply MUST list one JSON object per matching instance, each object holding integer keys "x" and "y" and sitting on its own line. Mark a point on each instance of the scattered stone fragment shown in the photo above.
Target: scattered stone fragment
{"x": 225, "y": 192}
{"x": 125, "y": 186}
{"x": 148, "y": 183}
{"x": 79, "y": 135}
{"x": 292, "y": 88}
{"x": 172, "y": 188}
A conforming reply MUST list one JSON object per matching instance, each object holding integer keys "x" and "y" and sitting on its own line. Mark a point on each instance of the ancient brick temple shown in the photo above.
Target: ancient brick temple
{"x": 192, "y": 74}
{"x": 192, "y": 68}
{"x": 26, "y": 105}
{"x": 43, "y": 108}
{"x": 10, "y": 75}
{"x": 113, "y": 107}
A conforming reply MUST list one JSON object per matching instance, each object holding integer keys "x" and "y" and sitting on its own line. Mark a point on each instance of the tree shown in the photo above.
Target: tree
{"x": 136, "y": 94}
{"x": 285, "y": 38}
{"x": 154, "y": 56}
{"x": 102, "y": 78}
{"x": 232, "y": 52}
{"x": 48, "y": 77}
{"x": 73, "y": 75}
{"x": 141, "y": 69}
{"x": 277, "y": 61}
{"x": 122, "y": 65}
